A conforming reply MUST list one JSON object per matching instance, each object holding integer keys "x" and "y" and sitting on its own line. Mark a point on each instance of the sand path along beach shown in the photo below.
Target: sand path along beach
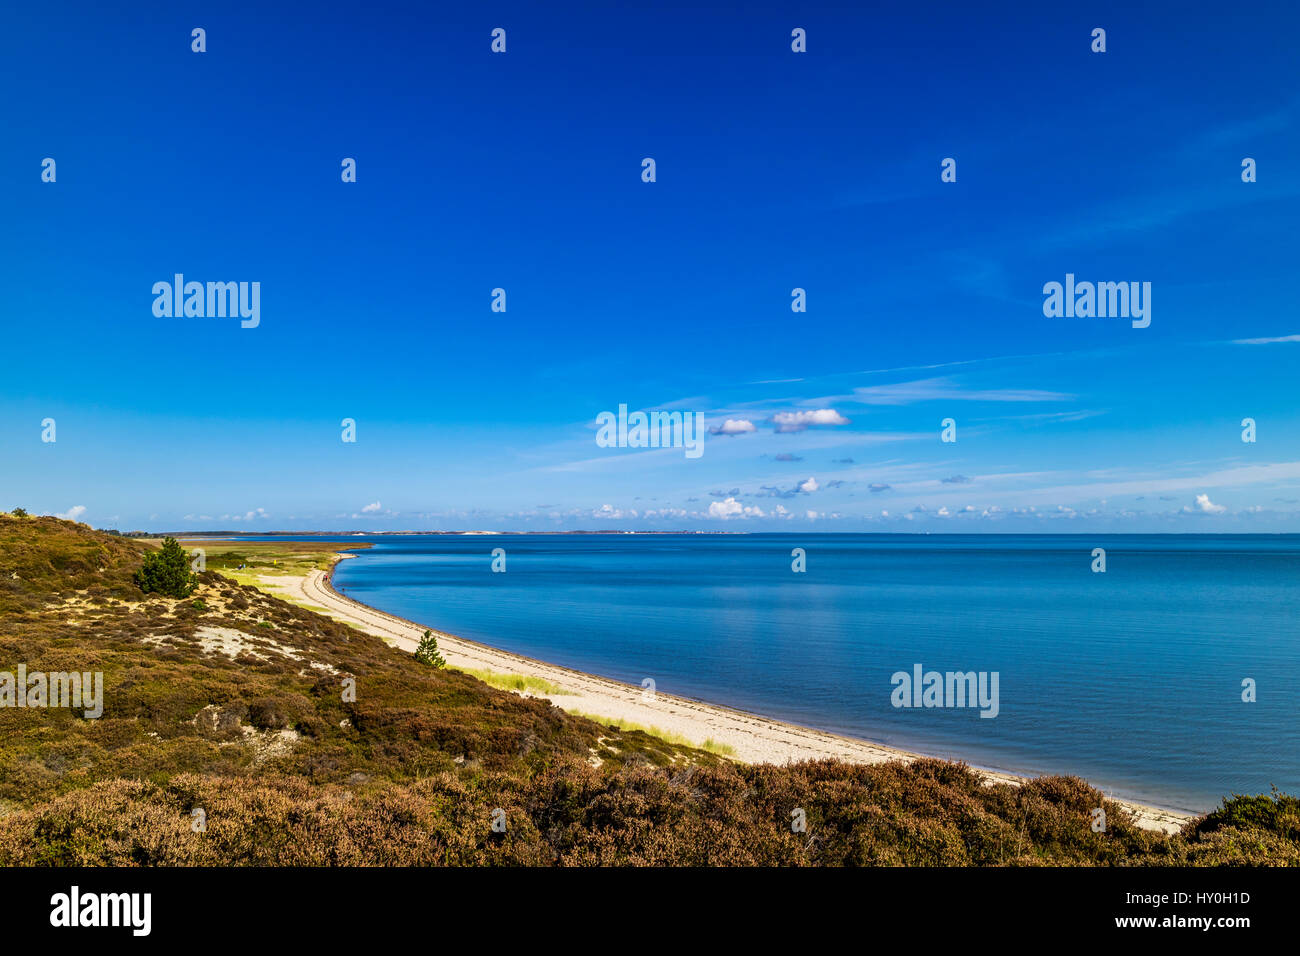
{"x": 753, "y": 739}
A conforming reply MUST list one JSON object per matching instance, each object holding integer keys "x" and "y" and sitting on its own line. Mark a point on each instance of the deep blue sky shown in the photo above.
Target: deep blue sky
{"x": 775, "y": 170}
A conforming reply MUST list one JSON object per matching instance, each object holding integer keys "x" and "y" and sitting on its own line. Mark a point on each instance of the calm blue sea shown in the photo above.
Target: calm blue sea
{"x": 1131, "y": 678}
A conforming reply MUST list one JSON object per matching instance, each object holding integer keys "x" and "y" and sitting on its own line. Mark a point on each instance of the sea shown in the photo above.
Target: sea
{"x": 1171, "y": 678}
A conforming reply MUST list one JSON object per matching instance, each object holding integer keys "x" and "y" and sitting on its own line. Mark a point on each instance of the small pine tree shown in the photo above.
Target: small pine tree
{"x": 19, "y": 512}
{"x": 167, "y": 571}
{"x": 427, "y": 652}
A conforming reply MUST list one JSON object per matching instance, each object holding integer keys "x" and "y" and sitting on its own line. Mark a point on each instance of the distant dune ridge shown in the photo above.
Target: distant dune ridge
{"x": 227, "y": 737}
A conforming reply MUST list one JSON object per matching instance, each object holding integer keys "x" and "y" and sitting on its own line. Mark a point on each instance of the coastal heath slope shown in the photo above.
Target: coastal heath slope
{"x": 750, "y": 738}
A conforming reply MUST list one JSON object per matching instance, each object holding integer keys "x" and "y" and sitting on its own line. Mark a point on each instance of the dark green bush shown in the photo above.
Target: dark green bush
{"x": 427, "y": 651}
{"x": 167, "y": 571}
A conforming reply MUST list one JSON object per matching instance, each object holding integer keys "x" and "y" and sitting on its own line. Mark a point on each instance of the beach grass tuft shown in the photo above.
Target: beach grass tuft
{"x": 668, "y": 736}
{"x": 514, "y": 682}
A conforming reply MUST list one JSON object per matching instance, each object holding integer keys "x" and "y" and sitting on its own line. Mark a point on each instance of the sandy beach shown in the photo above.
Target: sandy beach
{"x": 752, "y": 739}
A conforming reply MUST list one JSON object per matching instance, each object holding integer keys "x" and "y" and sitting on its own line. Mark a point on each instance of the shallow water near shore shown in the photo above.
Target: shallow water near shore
{"x": 1131, "y": 678}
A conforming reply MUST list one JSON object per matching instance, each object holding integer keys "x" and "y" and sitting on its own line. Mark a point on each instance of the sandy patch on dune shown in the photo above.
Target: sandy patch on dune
{"x": 232, "y": 643}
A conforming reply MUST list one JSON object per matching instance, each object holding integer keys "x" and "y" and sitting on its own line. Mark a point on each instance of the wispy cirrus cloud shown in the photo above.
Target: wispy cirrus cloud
{"x": 1272, "y": 340}
{"x": 947, "y": 389}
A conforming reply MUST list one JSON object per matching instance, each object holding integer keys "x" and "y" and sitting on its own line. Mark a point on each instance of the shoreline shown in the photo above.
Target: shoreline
{"x": 752, "y": 738}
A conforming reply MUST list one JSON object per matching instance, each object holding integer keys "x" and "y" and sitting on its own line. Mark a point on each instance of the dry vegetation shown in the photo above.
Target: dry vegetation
{"x": 231, "y": 701}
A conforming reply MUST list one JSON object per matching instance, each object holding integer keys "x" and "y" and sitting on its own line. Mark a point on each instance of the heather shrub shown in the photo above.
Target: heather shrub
{"x": 410, "y": 772}
{"x": 1278, "y": 813}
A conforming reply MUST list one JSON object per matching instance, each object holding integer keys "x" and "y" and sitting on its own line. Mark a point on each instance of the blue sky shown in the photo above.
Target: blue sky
{"x": 775, "y": 170}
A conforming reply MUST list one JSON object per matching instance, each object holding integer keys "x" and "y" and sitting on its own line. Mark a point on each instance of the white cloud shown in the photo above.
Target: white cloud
{"x": 666, "y": 513}
{"x": 798, "y": 421}
{"x": 372, "y": 507}
{"x": 733, "y": 426}
{"x": 731, "y": 508}
{"x": 609, "y": 511}
{"x": 1205, "y": 506}
{"x": 73, "y": 514}
{"x": 809, "y": 486}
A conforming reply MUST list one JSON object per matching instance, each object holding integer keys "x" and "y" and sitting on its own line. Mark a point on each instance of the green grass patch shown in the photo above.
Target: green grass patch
{"x": 246, "y": 561}
{"x": 519, "y": 682}
{"x": 668, "y": 736}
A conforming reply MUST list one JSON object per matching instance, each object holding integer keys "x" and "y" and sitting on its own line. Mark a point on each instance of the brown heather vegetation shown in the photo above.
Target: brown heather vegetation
{"x": 257, "y": 735}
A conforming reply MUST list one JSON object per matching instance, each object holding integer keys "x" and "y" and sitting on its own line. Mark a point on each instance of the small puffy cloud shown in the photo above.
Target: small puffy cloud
{"x": 1206, "y": 507}
{"x": 798, "y": 488}
{"x": 665, "y": 513}
{"x": 371, "y": 508}
{"x": 609, "y": 511}
{"x": 733, "y": 426}
{"x": 725, "y": 509}
{"x": 878, "y": 488}
{"x": 724, "y": 494}
{"x": 798, "y": 421}
{"x": 956, "y": 480}
{"x": 943, "y": 512}
{"x": 72, "y": 514}
{"x": 731, "y": 508}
